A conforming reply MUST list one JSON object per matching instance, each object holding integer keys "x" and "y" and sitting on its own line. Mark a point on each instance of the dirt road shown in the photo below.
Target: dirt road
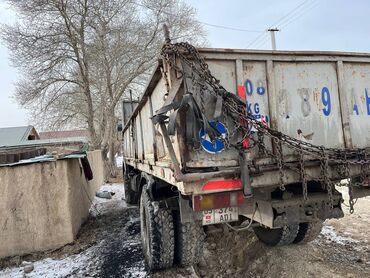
{"x": 109, "y": 246}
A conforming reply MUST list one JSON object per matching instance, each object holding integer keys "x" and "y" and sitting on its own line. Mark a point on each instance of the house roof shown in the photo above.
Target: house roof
{"x": 64, "y": 134}
{"x": 15, "y": 135}
{"x": 59, "y": 142}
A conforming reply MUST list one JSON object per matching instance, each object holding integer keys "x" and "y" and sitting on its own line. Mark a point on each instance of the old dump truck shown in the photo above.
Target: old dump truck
{"x": 253, "y": 139}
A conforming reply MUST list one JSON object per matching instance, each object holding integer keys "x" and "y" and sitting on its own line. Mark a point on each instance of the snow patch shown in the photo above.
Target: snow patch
{"x": 119, "y": 161}
{"x": 102, "y": 205}
{"x": 117, "y": 188}
{"x": 52, "y": 268}
{"x": 330, "y": 234}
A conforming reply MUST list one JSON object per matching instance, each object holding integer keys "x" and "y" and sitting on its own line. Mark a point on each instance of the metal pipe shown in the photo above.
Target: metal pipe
{"x": 194, "y": 177}
{"x": 273, "y": 41}
{"x": 166, "y": 33}
{"x": 244, "y": 161}
{"x": 131, "y": 104}
{"x": 176, "y": 165}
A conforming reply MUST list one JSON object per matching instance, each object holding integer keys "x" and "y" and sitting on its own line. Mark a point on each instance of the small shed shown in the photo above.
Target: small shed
{"x": 10, "y": 136}
{"x": 65, "y": 134}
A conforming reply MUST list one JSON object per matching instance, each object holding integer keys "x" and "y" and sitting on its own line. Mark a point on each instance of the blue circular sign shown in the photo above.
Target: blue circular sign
{"x": 217, "y": 145}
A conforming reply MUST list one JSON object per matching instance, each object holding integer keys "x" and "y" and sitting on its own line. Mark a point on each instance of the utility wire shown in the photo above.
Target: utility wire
{"x": 262, "y": 42}
{"x": 261, "y": 39}
{"x": 204, "y": 23}
{"x": 289, "y": 13}
{"x": 300, "y": 15}
{"x": 287, "y": 19}
{"x": 257, "y": 39}
{"x": 282, "y": 20}
{"x": 230, "y": 28}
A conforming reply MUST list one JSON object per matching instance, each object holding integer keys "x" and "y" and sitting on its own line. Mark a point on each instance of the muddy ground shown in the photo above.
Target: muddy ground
{"x": 108, "y": 245}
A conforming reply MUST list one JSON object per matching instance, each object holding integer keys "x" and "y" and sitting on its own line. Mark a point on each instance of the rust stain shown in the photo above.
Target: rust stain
{"x": 316, "y": 98}
{"x": 5, "y": 224}
{"x": 248, "y": 69}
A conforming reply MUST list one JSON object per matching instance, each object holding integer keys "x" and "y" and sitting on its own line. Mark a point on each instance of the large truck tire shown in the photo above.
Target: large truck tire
{"x": 308, "y": 231}
{"x": 277, "y": 237}
{"x": 157, "y": 233}
{"x": 189, "y": 239}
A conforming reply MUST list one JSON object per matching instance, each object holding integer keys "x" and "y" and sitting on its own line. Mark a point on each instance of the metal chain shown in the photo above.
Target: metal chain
{"x": 364, "y": 167}
{"x": 202, "y": 102}
{"x": 279, "y": 159}
{"x": 323, "y": 170}
{"x": 261, "y": 144}
{"x": 350, "y": 186}
{"x": 303, "y": 176}
{"x": 235, "y": 109}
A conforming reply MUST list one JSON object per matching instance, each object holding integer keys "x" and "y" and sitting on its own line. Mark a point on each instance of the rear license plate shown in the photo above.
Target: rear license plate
{"x": 221, "y": 215}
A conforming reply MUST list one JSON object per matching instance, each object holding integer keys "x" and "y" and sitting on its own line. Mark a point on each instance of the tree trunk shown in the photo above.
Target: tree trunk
{"x": 112, "y": 159}
{"x": 108, "y": 142}
{"x": 90, "y": 121}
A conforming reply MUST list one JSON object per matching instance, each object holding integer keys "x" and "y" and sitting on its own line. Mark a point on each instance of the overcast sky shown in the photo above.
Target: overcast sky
{"x": 314, "y": 25}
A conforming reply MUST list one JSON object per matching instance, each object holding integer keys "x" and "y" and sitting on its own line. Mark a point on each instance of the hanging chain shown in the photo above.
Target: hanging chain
{"x": 279, "y": 159}
{"x": 261, "y": 144}
{"x": 202, "y": 102}
{"x": 350, "y": 186}
{"x": 326, "y": 182}
{"x": 323, "y": 169}
{"x": 303, "y": 176}
{"x": 364, "y": 167}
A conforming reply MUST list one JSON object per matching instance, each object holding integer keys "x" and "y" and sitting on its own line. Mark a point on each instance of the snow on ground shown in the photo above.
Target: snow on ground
{"x": 119, "y": 161}
{"x": 51, "y": 268}
{"x": 102, "y": 205}
{"x": 330, "y": 234}
{"x": 118, "y": 193}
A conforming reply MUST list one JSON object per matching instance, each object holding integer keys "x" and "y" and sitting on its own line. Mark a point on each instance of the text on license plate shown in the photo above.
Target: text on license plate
{"x": 221, "y": 215}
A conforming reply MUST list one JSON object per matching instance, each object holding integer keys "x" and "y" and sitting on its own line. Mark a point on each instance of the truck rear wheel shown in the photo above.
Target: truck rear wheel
{"x": 308, "y": 232}
{"x": 277, "y": 237}
{"x": 189, "y": 238}
{"x": 157, "y": 233}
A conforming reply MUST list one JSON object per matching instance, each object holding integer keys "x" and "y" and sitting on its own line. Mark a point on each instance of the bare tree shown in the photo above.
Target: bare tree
{"x": 79, "y": 58}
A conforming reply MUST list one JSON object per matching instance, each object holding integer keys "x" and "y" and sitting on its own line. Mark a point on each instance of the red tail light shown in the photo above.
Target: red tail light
{"x": 222, "y": 184}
